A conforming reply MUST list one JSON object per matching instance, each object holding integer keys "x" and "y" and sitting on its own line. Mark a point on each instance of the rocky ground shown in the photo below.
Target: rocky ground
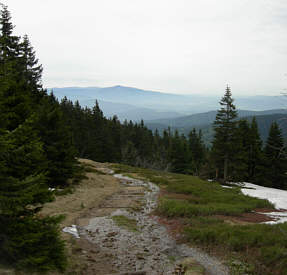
{"x": 120, "y": 236}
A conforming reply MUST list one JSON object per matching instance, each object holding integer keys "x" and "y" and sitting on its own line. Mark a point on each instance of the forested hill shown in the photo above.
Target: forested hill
{"x": 207, "y": 118}
{"x": 264, "y": 123}
{"x": 136, "y": 104}
{"x": 204, "y": 122}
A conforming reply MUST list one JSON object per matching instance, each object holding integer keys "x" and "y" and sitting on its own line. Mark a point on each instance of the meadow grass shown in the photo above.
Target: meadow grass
{"x": 263, "y": 245}
{"x": 261, "y": 248}
{"x": 205, "y": 198}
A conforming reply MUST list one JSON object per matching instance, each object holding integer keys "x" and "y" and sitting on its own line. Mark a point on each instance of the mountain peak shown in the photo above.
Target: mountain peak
{"x": 118, "y": 87}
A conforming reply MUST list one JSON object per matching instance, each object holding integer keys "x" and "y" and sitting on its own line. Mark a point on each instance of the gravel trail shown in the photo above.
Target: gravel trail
{"x": 142, "y": 246}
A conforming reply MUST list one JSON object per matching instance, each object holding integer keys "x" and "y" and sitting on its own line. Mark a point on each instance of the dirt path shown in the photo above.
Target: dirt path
{"x": 118, "y": 236}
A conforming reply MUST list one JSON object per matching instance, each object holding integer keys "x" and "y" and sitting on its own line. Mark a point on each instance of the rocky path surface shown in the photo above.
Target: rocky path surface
{"x": 129, "y": 241}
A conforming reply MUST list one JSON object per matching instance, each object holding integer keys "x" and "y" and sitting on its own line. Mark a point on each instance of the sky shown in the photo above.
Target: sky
{"x": 174, "y": 46}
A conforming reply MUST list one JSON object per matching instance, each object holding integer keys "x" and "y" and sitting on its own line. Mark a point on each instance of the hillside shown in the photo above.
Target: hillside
{"x": 204, "y": 122}
{"x": 129, "y": 112}
{"x": 208, "y": 118}
{"x": 136, "y": 104}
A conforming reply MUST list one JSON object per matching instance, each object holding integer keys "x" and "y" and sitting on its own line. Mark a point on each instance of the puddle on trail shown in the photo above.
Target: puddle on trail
{"x": 146, "y": 246}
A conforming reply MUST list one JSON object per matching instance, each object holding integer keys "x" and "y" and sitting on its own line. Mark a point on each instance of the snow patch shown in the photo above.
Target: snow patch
{"x": 72, "y": 230}
{"x": 276, "y": 196}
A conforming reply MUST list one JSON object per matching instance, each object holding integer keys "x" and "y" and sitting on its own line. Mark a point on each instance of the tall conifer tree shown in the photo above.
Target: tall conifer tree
{"x": 224, "y": 136}
{"x": 58, "y": 144}
{"x": 14, "y": 102}
{"x": 25, "y": 239}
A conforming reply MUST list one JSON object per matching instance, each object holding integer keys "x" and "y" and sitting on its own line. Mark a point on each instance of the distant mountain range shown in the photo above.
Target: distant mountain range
{"x": 182, "y": 112}
{"x": 135, "y": 104}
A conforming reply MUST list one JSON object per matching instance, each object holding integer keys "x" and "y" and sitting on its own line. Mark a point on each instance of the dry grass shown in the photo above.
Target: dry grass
{"x": 88, "y": 194}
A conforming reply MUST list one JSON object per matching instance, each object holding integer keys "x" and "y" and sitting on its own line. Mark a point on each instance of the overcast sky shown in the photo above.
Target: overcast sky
{"x": 175, "y": 46}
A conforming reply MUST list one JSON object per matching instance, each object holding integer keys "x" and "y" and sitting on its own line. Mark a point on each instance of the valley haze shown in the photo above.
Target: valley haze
{"x": 136, "y": 104}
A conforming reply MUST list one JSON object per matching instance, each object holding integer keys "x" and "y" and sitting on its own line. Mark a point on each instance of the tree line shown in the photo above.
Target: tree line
{"x": 107, "y": 140}
{"x": 237, "y": 152}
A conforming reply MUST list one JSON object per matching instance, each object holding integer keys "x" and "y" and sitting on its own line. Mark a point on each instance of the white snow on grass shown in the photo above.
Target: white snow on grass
{"x": 276, "y": 196}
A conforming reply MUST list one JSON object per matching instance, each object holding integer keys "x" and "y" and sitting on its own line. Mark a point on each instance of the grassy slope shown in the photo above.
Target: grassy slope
{"x": 202, "y": 204}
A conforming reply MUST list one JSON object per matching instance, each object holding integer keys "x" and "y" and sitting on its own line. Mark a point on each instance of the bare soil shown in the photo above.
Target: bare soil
{"x": 88, "y": 195}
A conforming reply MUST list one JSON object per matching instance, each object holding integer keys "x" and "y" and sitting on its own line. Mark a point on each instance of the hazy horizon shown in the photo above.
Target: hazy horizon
{"x": 179, "y": 47}
{"x": 166, "y": 92}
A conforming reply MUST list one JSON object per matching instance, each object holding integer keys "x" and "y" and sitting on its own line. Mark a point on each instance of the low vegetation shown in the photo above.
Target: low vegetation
{"x": 205, "y": 207}
{"x": 257, "y": 243}
{"x": 125, "y": 222}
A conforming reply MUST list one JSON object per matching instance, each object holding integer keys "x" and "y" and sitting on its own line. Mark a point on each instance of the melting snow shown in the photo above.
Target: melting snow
{"x": 276, "y": 196}
{"x": 72, "y": 230}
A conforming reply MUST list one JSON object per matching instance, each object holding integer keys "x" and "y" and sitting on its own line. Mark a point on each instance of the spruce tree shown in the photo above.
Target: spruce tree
{"x": 32, "y": 71}
{"x": 23, "y": 181}
{"x": 25, "y": 239}
{"x": 9, "y": 43}
{"x": 224, "y": 134}
{"x": 58, "y": 143}
{"x": 14, "y": 102}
